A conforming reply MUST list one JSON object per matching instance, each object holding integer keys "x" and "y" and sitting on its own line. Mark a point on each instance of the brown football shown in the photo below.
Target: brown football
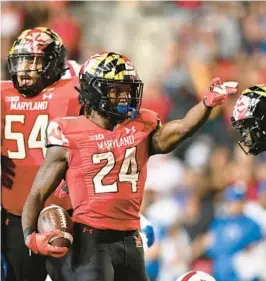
{"x": 55, "y": 217}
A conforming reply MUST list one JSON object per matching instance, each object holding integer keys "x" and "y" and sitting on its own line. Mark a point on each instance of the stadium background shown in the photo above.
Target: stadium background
{"x": 177, "y": 46}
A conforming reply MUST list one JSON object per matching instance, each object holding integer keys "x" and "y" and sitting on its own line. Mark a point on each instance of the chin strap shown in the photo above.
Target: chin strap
{"x": 125, "y": 109}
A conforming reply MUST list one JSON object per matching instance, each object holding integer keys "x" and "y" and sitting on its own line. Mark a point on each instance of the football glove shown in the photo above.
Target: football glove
{"x": 38, "y": 243}
{"x": 218, "y": 92}
{"x": 7, "y": 171}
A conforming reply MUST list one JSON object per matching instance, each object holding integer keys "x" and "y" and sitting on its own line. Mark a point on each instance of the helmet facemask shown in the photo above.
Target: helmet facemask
{"x": 253, "y": 136}
{"x": 33, "y": 65}
{"x": 27, "y": 68}
{"x": 123, "y": 99}
{"x": 115, "y": 99}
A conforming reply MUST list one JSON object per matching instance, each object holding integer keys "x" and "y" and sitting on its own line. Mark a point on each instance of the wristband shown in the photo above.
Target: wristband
{"x": 204, "y": 102}
{"x": 28, "y": 231}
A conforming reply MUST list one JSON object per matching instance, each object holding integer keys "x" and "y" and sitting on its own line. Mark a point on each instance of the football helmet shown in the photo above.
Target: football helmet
{"x": 249, "y": 118}
{"x": 105, "y": 72}
{"x": 40, "y": 50}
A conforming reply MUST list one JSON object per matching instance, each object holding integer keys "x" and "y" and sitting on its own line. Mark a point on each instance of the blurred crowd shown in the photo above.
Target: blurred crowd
{"x": 177, "y": 47}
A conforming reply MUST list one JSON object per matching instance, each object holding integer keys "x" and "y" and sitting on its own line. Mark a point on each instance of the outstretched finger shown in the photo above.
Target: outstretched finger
{"x": 57, "y": 250}
{"x": 231, "y": 91}
{"x": 57, "y": 255}
{"x": 231, "y": 84}
{"x": 216, "y": 81}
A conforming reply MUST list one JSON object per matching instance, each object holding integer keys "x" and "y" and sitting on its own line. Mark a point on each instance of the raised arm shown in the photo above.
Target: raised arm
{"x": 47, "y": 179}
{"x": 170, "y": 135}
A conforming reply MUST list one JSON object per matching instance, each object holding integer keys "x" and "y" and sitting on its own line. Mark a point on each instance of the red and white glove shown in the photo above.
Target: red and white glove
{"x": 62, "y": 190}
{"x": 38, "y": 243}
{"x": 218, "y": 92}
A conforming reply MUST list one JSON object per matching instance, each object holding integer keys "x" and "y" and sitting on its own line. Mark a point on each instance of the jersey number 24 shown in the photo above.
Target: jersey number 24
{"x": 128, "y": 170}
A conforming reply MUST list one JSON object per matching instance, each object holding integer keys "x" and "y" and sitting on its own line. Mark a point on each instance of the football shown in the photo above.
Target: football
{"x": 55, "y": 217}
{"x": 195, "y": 276}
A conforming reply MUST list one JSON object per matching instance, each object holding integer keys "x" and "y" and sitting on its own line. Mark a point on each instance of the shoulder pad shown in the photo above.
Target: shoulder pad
{"x": 7, "y": 84}
{"x": 69, "y": 82}
{"x": 149, "y": 115}
{"x": 55, "y": 135}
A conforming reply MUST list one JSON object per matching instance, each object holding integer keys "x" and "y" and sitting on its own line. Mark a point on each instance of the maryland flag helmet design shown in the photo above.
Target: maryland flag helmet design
{"x": 249, "y": 117}
{"x": 106, "y": 71}
{"x": 39, "y": 49}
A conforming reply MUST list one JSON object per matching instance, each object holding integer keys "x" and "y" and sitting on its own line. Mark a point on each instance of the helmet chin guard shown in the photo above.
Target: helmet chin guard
{"x": 125, "y": 109}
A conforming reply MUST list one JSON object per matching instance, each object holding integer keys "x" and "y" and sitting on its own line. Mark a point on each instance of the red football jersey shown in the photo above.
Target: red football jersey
{"x": 24, "y": 122}
{"x": 107, "y": 169}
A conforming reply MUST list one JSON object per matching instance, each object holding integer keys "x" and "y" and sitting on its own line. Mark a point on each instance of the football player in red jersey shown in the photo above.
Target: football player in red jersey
{"x": 103, "y": 156}
{"x": 36, "y": 94}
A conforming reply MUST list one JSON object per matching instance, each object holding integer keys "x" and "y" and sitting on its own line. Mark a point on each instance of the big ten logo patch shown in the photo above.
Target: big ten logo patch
{"x": 96, "y": 137}
{"x": 138, "y": 241}
{"x": 12, "y": 98}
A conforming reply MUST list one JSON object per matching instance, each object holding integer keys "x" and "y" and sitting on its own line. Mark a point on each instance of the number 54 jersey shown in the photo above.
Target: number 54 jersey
{"x": 106, "y": 169}
{"x": 24, "y": 121}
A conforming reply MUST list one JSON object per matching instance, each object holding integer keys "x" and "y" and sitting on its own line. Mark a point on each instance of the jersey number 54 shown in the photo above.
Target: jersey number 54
{"x": 36, "y": 137}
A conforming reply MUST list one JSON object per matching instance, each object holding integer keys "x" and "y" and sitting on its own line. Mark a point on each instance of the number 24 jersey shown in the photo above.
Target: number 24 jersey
{"x": 106, "y": 169}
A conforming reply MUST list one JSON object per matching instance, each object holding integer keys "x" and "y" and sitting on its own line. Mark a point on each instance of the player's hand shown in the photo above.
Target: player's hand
{"x": 218, "y": 92}
{"x": 62, "y": 190}
{"x": 7, "y": 171}
{"x": 38, "y": 243}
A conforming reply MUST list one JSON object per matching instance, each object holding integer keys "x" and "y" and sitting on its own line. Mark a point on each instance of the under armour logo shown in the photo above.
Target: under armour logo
{"x": 132, "y": 129}
{"x": 86, "y": 229}
{"x": 47, "y": 96}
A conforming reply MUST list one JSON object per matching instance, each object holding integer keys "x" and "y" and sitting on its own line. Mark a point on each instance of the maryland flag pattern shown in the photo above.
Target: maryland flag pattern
{"x": 34, "y": 41}
{"x": 248, "y": 102}
{"x": 259, "y": 89}
{"x": 110, "y": 66}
